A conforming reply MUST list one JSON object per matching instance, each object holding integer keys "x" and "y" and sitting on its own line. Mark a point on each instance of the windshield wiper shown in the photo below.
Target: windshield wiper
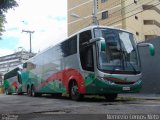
{"x": 134, "y": 69}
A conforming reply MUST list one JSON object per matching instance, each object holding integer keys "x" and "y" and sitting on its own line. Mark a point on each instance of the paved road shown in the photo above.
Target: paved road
{"x": 45, "y": 107}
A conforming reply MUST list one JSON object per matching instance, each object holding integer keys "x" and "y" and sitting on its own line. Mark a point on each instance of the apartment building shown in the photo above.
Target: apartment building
{"x": 8, "y": 62}
{"x": 142, "y": 17}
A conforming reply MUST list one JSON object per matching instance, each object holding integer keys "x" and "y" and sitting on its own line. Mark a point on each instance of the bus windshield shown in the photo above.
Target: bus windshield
{"x": 120, "y": 53}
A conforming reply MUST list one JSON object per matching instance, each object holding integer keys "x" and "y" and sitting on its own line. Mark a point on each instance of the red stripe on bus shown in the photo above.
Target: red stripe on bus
{"x": 65, "y": 76}
{"x": 14, "y": 84}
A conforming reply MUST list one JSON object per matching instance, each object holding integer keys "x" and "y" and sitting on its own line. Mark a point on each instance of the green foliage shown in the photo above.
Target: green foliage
{"x": 4, "y": 6}
{"x": 7, "y": 4}
{"x": 2, "y": 21}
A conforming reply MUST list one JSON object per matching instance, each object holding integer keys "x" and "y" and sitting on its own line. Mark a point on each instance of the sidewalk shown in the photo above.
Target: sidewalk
{"x": 142, "y": 96}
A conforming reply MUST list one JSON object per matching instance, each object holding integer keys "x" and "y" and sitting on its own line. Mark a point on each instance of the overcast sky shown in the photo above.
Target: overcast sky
{"x": 48, "y": 18}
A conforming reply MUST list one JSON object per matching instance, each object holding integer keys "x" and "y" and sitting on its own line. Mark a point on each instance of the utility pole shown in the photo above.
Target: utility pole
{"x": 30, "y": 38}
{"x": 95, "y": 8}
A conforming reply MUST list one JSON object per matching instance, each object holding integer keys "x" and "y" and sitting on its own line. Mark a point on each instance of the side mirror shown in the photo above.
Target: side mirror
{"x": 96, "y": 39}
{"x": 151, "y": 47}
{"x": 103, "y": 45}
{"x": 101, "y": 41}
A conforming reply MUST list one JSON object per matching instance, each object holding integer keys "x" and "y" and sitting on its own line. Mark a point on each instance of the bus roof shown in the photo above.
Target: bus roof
{"x": 97, "y": 26}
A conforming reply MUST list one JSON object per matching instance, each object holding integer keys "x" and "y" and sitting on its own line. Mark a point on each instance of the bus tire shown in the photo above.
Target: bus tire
{"x": 28, "y": 90}
{"x": 33, "y": 93}
{"x": 111, "y": 97}
{"x": 73, "y": 91}
{"x": 17, "y": 92}
{"x": 7, "y": 92}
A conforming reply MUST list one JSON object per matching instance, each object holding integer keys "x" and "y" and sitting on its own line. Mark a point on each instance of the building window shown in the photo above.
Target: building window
{"x": 149, "y": 22}
{"x": 103, "y": 1}
{"x": 150, "y": 37}
{"x": 105, "y": 15}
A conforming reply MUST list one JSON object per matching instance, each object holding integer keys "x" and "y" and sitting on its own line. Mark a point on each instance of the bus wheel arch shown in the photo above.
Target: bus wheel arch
{"x": 73, "y": 89}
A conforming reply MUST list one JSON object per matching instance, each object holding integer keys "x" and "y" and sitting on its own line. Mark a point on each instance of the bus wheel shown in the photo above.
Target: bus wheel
{"x": 7, "y": 92}
{"x": 17, "y": 92}
{"x": 74, "y": 93}
{"x": 33, "y": 91}
{"x": 111, "y": 97}
{"x": 28, "y": 91}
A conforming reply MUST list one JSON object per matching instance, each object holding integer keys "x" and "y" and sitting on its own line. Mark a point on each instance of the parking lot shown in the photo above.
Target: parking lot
{"x": 29, "y": 107}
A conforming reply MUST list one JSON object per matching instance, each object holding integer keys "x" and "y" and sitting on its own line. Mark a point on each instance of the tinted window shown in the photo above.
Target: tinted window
{"x": 85, "y": 37}
{"x": 69, "y": 47}
{"x": 86, "y": 51}
{"x": 72, "y": 45}
{"x": 11, "y": 74}
{"x": 86, "y": 56}
{"x": 105, "y": 15}
{"x": 25, "y": 65}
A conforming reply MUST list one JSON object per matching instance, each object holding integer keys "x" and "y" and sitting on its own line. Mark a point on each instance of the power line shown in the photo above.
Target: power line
{"x": 99, "y": 19}
{"x": 133, "y": 9}
{"x": 122, "y": 8}
{"x": 117, "y": 10}
{"x": 91, "y": 1}
{"x": 130, "y": 12}
{"x": 97, "y": 11}
{"x": 133, "y": 14}
{"x": 113, "y": 4}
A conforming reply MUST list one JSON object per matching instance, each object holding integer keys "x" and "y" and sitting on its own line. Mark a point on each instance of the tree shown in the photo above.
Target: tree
{"x": 4, "y": 6}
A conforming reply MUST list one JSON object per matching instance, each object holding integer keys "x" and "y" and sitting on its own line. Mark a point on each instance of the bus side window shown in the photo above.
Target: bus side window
{"x": 86, "y": 51}
{"x": 25, "y": 65}
{"x": 19, "y": 79}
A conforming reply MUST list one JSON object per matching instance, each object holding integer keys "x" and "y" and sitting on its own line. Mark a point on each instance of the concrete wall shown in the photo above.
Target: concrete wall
{"x": 151, "y": 68}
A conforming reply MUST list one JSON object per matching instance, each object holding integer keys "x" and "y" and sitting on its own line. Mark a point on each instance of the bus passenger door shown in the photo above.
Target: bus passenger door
{"x": 86, "y": 51}
{"x": 87, "y": 60}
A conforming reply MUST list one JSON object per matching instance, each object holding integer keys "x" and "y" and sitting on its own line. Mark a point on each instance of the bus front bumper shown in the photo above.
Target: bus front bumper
{"x": 107, "y": 87}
